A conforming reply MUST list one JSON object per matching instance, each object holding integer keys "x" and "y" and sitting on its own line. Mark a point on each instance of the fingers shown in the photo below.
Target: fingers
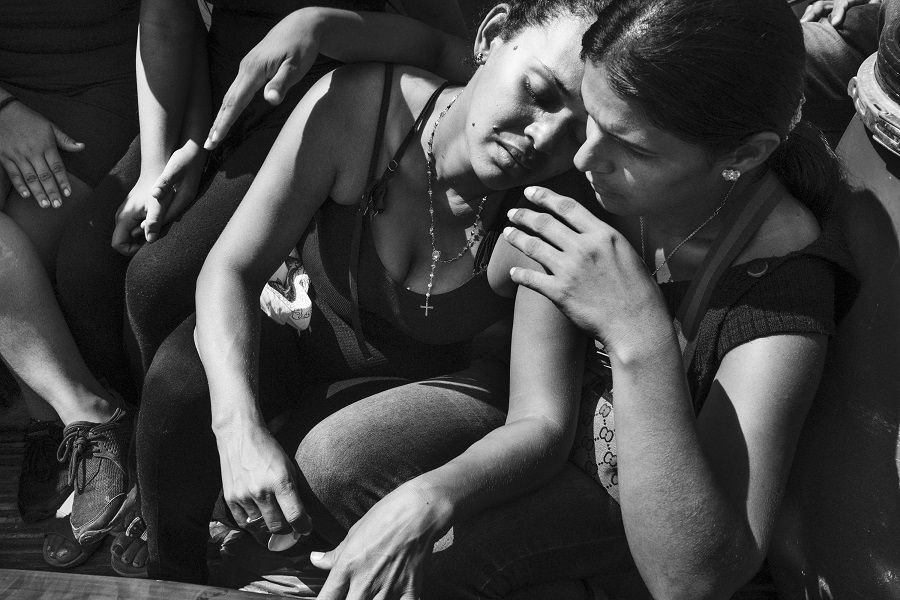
{"x": 152, "y": 223}
{"x": 16, "y": 179}
{"x": 59, "y": 171}
{"x": 838, "y": 12}
{"x": 34, "y": 182}
{"x": 292, "y": 509}
{"x": 235, "y": 101}
{"x": 126, "y": 236}
{"x": 65, "y": 142}
{"x": 568, "y": 210}
{"x": 546, "y": 226}
{"x": 535, "y": 281}
{"x": 815, "y": 11}
{"x": 324, "y": 560}
{"x": 533, "y": 247}
{"x": 284, "y": 78}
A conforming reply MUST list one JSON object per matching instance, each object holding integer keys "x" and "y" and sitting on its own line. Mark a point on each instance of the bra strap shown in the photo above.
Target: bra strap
{"x": 365, "y": 201}
{"x": 372, "y": 201}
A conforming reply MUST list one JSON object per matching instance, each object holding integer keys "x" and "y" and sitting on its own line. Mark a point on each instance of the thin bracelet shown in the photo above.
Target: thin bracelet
{"x": 8, "y": 100}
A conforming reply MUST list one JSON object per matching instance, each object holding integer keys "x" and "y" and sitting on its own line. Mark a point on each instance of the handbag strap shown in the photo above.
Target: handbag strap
{"x": 740, "y": 228}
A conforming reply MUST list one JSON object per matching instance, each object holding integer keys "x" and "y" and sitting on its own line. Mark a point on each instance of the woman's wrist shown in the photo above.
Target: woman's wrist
{"x": 436, "y": 507}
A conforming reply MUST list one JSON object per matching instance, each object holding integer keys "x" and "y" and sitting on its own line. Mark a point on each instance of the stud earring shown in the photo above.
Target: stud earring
{"x": 479, "y": 58}
{"x": 730, "y": 174}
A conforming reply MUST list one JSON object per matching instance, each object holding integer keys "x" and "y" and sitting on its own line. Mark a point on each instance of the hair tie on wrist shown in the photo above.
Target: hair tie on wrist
{"x": 6, "y": 101}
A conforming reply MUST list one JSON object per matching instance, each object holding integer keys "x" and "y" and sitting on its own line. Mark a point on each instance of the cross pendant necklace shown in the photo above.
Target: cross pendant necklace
{"x": 435, "y": 255}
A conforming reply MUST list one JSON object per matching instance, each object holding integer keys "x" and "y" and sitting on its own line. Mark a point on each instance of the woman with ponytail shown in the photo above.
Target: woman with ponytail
{"x": 706, "y": 276}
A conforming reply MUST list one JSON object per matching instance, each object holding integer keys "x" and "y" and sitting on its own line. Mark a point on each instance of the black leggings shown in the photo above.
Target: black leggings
{"x": 377, "y": 440}
{"x": 159, "y": 280}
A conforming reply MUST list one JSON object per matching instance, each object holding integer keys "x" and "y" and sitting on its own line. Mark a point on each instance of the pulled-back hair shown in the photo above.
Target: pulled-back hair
{"x": 532, "y": 13}
{"x": 713, "y": 73}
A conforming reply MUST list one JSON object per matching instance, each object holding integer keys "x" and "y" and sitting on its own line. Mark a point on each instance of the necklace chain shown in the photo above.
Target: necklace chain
{"x": 475, "y": 233}
{"x": 687, "y": 238}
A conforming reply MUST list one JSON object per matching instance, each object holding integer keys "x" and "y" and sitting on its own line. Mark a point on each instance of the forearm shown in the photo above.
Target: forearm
{"x": 506, "y": 463}
{"x": 367, "y": 36}
{"x": 198, "y": 112}
{"x": 688, "y": 538}
{"x": 228, "y": 344}
{"x": 444, "y": 15}
{"x": 164, "y": 65}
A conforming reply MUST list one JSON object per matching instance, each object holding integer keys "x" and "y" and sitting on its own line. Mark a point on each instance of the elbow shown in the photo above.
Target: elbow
{"x": 716, "y": 575}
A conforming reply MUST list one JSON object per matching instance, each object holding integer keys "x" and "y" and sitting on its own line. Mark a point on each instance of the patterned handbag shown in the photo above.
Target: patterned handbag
{"x": 595, "y": 449}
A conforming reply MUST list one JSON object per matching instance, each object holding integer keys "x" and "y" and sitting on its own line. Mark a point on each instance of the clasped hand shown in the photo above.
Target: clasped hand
{"x": 156, "y": 200}
{"x": 29, "y": 155}
{"x": 838, "y": 9}
{"x": 592, "y": 274}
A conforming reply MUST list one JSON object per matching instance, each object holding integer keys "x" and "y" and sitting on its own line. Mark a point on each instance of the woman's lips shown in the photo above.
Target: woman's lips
{"x": 522, "y": 159}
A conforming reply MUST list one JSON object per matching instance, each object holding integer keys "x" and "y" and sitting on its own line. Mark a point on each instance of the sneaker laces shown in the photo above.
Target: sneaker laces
{"x": 40, "y": 450}
{"x": 82, "y": 443}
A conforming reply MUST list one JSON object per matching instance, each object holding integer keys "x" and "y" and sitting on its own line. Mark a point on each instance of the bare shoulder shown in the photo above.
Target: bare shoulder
{"x": 790, "y": 227}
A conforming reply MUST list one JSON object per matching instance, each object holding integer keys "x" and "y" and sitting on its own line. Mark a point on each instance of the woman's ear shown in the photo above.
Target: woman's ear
{"x": 489, "y": 30}
{"x": 752, "y": 152}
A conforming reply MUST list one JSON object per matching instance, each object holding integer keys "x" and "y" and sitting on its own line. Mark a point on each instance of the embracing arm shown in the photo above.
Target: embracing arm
{"x": 285, "y": 55}
{"x": 445, "y": 15}
{"x": 699, "y": 496}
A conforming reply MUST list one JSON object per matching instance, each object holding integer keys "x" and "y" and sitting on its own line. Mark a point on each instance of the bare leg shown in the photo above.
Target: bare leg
{"x": 34, "y": 339}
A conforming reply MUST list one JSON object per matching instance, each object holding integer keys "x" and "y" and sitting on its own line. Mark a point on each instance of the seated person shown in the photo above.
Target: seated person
{"x": 402, "y": 280}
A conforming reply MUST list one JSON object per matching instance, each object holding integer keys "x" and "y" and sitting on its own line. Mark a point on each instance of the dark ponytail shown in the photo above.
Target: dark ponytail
{"x": 713, "y": 73}
{"x": 809, "y": 169}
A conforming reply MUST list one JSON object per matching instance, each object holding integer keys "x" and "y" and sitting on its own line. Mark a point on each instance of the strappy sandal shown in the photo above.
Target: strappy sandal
{"x": 128, "y": 555}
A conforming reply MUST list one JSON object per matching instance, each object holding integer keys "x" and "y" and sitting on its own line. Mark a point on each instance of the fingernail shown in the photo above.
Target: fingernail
{"x": 512, "y": 271}
{"x": 25, "y": 194}
{"x": 57, "y": 204}
{"x": 67, "y": 192}
{"x": 507, "y": 231}
{"x": 314, "y": 555}
{"x": 529, "y": 191}
{"x": 511, "y": 213}
{"x": 45, "y": 204}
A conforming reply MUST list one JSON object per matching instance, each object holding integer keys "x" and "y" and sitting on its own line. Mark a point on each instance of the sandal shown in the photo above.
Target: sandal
{"x": 60, "y": 548}
{"x": 129, "y": 554}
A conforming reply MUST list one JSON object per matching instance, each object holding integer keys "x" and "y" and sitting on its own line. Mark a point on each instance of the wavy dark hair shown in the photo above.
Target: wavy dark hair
{"x": 531, "y": 13}
{"x": 713, "y": 72}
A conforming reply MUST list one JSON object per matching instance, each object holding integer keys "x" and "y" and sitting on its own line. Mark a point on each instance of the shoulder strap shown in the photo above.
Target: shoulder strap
{"x": 725, "y": 249}
{"x": 361, "y": 209}
{"x": 372, "y": 201}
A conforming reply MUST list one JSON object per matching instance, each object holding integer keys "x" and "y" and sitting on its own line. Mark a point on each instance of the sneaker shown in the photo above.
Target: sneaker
{"x": 43, "y": 481}
{"x": 96, "y": 454}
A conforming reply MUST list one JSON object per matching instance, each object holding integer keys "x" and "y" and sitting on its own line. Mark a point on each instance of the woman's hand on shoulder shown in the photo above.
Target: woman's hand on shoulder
{"x": 591, "y": 272}
{"x": 384, "y": 553}
{"x": 29, "y": 153}
{"x": 158, "y": 199}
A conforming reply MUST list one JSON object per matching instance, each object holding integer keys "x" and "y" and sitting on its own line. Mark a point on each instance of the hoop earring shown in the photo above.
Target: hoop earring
{"x": 730, "y": 174}
{"x": 479, "y": 58}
